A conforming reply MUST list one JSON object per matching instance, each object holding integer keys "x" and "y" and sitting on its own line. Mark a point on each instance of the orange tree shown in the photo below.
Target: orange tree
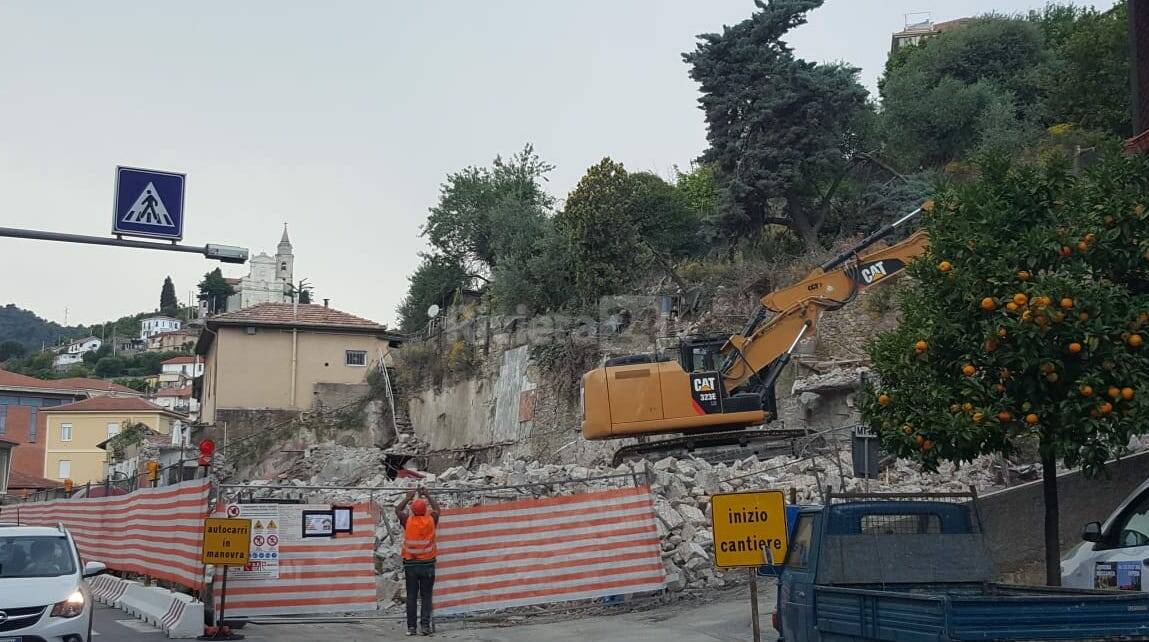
{"x": 1027, "y": 318}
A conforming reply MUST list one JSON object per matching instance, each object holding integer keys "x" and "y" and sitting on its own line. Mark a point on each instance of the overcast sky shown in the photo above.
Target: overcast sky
{"x": 340, "y": 118}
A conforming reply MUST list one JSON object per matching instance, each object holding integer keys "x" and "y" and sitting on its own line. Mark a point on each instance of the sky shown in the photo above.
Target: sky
{"x": 341, "y": 119}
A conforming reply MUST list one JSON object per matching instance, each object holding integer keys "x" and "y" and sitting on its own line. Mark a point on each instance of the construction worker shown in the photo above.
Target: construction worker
{"x": 419, "y": 554}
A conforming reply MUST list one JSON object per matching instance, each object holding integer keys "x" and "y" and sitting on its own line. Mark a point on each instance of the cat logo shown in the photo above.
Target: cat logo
{"x": 874, "y": 272}
{"x": 704, "y": 384}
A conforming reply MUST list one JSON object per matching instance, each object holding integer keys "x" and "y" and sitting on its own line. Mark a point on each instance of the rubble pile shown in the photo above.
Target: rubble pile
{"x": 681, "y": 489}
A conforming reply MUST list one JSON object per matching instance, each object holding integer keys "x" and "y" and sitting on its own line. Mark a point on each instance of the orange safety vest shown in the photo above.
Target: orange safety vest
{"x": 419, "y": 538}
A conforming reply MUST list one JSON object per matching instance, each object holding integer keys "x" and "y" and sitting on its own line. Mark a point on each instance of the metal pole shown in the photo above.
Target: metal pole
{"x": 226, "y": 254}
{"x": 222, "y": 602}
{"x": 753, "y": 604}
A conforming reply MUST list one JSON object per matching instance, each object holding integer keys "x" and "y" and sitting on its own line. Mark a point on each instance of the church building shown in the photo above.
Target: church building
{"x": 270, "y": 278}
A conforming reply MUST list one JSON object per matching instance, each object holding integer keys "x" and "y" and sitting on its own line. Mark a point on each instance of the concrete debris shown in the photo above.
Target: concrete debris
{"x": 681, "y": 489}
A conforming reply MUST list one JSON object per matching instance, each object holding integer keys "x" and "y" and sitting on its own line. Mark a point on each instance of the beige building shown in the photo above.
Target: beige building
{"x": 74, "y": 432}
{"x": 270, "y": 356}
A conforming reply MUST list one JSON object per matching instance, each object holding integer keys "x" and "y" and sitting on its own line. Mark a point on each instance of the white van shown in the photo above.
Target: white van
{"x": 1113, "y": 555}
{"x": 43, "y": 595}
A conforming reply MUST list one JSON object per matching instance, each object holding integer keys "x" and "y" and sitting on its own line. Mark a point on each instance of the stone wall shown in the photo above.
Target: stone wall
{"x": 1013, "y": 518}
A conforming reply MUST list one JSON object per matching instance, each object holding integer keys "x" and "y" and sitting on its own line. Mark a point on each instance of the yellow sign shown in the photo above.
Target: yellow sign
{"x": 746, "y": 525}
{"x": 226, "y": 542}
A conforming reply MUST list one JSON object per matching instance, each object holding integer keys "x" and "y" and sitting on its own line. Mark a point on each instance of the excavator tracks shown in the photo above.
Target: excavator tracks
{"x": 717, "y": 446}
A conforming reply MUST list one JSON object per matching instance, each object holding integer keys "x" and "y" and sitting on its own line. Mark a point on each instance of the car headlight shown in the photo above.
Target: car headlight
{"x": 71, "y": 607}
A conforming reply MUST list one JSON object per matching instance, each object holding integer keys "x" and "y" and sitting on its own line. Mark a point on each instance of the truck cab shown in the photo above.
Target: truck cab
{"x": 915, "y": 568}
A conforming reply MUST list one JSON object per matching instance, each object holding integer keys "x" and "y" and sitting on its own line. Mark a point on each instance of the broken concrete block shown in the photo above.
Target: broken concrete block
{"x": 665, "y": 463}
{"x": 667, "y": 514}
{"x": 692, "y": 514}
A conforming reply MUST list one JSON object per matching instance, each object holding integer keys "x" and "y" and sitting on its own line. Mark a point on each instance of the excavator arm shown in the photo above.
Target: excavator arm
{"x": 831, "y": 286}
{"x": 722, "y": 386}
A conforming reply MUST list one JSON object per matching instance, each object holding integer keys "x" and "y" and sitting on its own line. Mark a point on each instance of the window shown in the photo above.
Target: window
{"x": 799, "y": 554}
{"x": 65, "y": 432}
{"x": 35, "y": 557}
{"x": 917, "y": 524}
{"x": 3, "y": 419}
{"x": 113, "y": 430}
{"x": 1132, "y": 528}
{"x": 356, "y": 357}
{"x": 64, "y": 469}
{"x": 33, "y": 421}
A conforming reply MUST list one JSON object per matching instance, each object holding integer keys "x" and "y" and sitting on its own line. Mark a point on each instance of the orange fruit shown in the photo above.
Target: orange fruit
{"x": 1032, "y": 419}
{"x": 1051, "y": 377}
{"x": 1004, "y": 416}
{"x": 927, "y": 445}
{"x": 1089, "y": 238}
{"x": 1002, "y": 332}
{"x": 945, "y": 266}
{"x": 967, "y": 406}
{"x": 1011, "y": 306}
{"x": 1127, "y": 394}
{"x": 1047, "y": 367}
{"x": 1086, "y": 391}
{"x": 990, "y": 345}
{"x": 977, "y": 417}
{"x": 1058, "y": 317}
{"x": 883, "y": 400}
{"x": 1113, "y": 392}
{"x": 1006, "y": 375}
{"x": 920, "y": 440}
{"x": 1066, "y": 303}
{"x": 1023, "y": 275}
{"x": 1020, "y": 298}
{"x": 988, "y": 304}
{"x": 1105, "y": 408}
{"x": 968, "y": 370}
{"x": 1082, "y": 316}
{"x": 1065, "y": 251}
{"x": 999, "y": 387}
{"x": 1074, "y": 348}
{"x": 1026, "y": 316}
{"x": 1082, "y": 247}
{"x": 1135, "y": 341}
{"x": 921, "y": 346}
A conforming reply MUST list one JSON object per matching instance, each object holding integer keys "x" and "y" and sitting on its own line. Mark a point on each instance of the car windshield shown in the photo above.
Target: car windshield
{"x": 35, "y": 557}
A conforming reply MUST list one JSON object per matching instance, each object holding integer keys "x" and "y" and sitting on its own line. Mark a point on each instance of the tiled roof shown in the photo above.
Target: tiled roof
{"x": 17, "y": 479}
{"x": 186, "y": 391}
{"x": 71, "y": 384}
{"x": 177, "y": 361}
{"x": 285, "y": 314}
{"x": 109, "y": 404}
{"x": 83, "y": 383}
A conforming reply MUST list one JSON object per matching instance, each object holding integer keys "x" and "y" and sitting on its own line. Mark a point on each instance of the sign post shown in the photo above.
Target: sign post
{"x": 749, "y": 530}
{"x": 226, "y": 542}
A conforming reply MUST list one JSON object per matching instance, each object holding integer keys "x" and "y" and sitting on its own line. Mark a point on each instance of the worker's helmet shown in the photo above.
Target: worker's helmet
{"x": 419, "y": 506}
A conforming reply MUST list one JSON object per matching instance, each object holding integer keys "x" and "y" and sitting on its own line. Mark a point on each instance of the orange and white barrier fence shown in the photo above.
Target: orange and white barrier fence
{"x": 547, "y": 550}
{"x": 152, "y": 531}
{"x": 315, "y": 574}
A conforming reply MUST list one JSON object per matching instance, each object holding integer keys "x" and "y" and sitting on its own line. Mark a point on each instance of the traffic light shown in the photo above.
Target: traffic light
{"x": 153, "y": 470}
{"x": 68, "y": 486}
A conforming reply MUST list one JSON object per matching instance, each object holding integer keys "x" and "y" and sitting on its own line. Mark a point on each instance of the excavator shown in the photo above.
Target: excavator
{"x": 716, "y": 389}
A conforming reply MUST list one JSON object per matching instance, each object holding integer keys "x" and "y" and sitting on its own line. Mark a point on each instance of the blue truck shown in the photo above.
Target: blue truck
{"x": 915, "y": 569}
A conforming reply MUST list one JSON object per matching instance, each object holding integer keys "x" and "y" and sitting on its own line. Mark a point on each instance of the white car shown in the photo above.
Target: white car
{"x": 43, "y": 596}
{"x": 1113, "y": 555}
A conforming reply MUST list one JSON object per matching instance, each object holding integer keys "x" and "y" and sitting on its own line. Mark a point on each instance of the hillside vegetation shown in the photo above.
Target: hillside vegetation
{"x": 798, "y": 156}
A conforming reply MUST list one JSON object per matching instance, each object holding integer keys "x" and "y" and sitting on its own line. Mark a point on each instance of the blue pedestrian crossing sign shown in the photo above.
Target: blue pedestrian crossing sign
{"x": 149, "y": 203}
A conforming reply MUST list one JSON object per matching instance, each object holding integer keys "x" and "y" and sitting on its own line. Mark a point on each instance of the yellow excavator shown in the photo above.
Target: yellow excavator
{"x": 716, "y": 388}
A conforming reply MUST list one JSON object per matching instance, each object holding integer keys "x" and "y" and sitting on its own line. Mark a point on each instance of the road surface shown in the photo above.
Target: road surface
{"x": 724, "y": 620}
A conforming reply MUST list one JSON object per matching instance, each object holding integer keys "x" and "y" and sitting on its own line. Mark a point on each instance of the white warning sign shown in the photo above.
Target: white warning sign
{"x": 264, "y": 562}
{"x": 149, "y": 208}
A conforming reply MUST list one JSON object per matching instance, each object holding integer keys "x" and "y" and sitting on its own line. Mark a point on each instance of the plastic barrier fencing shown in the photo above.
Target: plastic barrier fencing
{"x": 547, "y": 550}
{"x": 151, "y": 531}
{"x": 315, "y": 574}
